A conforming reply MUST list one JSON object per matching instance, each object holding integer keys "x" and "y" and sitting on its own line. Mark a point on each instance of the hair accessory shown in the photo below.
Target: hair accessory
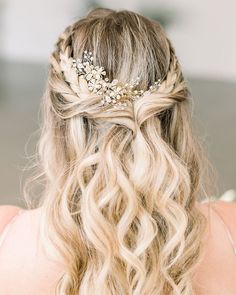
{"x": 112, "y": 92}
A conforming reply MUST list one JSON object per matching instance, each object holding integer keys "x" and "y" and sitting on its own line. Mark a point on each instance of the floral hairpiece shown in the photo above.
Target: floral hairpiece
{"x": 112, "y": 92}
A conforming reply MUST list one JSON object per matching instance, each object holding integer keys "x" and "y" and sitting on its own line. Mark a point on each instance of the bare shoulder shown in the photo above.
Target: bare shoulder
{"x": 221, "y": 218}
{"x": 216, "y": 273}
{"x": 221, "y": 210}
{"x": 21, "y": 253}
{"x": 227, "y": 208}
{"x": 7, "y": 212}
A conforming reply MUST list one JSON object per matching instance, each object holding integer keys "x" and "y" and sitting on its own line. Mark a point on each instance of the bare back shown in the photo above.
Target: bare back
{"x": 25, "y": 270}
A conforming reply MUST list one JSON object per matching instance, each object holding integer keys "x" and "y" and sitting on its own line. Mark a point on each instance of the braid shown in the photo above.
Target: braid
{"x": 173, "y": 90}
{"x": 174, "y": 86}
{"x": 73, "y": 88}
{"x": 60, "y": 61}
{"x": 67, "y": 91}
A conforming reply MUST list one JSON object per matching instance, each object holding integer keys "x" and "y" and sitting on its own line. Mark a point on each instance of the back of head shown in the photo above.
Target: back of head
{"x": 121, "y": 182}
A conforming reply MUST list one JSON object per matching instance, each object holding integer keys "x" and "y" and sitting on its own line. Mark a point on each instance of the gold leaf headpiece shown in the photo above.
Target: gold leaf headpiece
{"x": 112, "y": 92}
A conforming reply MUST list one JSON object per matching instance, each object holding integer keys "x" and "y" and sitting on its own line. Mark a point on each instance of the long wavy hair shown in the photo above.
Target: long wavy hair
{"x": 121, "y": 185}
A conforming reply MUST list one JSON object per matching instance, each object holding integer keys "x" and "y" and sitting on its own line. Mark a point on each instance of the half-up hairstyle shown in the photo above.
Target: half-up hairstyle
{"x": 121, "y": 185}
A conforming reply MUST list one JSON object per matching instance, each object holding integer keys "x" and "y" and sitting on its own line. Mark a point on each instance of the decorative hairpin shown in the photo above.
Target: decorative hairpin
{"x": 112, "y": 92}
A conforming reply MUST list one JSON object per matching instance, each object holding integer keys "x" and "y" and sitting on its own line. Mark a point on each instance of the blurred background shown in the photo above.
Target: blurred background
{"x": 202, "y": 32}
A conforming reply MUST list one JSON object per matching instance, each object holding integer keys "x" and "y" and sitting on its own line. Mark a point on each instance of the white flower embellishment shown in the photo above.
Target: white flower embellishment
{"x": 112, "y": 92}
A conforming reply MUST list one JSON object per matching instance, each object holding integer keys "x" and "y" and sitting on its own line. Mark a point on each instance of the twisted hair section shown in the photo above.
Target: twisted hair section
{"x": 121, "y": 185}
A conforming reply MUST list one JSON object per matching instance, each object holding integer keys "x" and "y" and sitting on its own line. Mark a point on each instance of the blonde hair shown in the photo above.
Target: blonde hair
{"x": 121, "y": 185}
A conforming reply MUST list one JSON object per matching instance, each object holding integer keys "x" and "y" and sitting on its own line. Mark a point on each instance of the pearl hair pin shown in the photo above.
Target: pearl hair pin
{"x": 112, "y": 92}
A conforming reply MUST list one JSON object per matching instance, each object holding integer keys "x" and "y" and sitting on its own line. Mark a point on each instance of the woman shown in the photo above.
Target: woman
{"x": 122, "y": 210}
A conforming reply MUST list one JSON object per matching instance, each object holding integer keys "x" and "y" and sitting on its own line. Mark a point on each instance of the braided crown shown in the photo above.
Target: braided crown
{"x": 113, "y": 93}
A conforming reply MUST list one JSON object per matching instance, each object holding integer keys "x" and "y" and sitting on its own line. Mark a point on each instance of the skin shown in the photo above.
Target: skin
{"x": 26, "y": 271}
{"x": 215, "y": 275}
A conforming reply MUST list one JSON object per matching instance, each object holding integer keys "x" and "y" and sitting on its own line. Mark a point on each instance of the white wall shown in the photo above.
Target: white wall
{"x": 204, "y": 34}
{"x": 206, "y": 37}
{"x": 30, "y": 28}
